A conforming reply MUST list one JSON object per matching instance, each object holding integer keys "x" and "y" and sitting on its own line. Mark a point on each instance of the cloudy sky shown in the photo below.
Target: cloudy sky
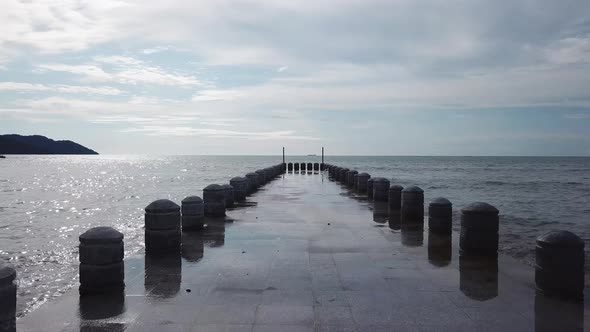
{"x": 396, "y": 77}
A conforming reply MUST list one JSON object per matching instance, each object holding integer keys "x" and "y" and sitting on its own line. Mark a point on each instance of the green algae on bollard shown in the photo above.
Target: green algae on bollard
{"x": 412, "y": 204}
{"x": 240, "y": 186}
{"x": 101, "y": 261}
{"x": 350, "y": 178}
{"x": 380, "y": 189}
{"x": 361, "y": 182}
{"x": 440, "y": 216}
{"x": 394, "y": 197}
{"x": 479, "y": 229}
{"x": 214, "y": 200}
{"x": 7, "y": 298}
{"x": 162, "y": 227}
{"x": 193, "y": 213}
{"x": 559, "y": 265}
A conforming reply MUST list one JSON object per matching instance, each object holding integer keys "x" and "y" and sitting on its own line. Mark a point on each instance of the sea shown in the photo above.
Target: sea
{"x": 46, "y": 202}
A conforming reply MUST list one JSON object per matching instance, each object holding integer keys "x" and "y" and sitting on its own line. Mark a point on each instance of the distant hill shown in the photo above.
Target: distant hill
{"x": 36, "y": 144}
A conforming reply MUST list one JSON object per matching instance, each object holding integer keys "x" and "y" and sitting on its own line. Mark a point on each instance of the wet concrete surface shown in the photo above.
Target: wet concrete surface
{"x": 307, "y": 254}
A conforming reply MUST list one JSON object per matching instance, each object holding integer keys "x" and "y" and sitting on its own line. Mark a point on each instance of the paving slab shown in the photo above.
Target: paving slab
{"x": 307, "y": 254}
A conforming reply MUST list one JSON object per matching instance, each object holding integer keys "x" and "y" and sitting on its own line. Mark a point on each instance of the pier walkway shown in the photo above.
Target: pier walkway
{"x": 306, "y": 254}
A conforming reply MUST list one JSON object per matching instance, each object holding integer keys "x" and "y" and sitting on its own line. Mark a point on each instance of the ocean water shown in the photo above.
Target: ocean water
{"x": 47, "y": 201}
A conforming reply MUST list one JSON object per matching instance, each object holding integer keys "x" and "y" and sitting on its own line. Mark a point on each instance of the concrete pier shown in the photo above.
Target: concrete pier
{"x": 309, "y": 257}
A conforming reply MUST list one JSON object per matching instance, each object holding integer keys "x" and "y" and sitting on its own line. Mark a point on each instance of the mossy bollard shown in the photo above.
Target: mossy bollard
{"x": 350, "y": 178}
{"x": 162, "y": 227}
{"x": 253, "y": 182}
{"x": 193, "y": 213}
{"x": 240, "y": 186}
{"x": 7, "y": 298}
{"x": 440, "y": 216}
{"x": 228, "y": 192}
{"x": 380, "y": 189}
{"x": 479, "y": 230}
{"x": 412, "y": 207}
{"x": 361, "y": 182}
{"x": 559, "y": 266}
{"x": 101, "y": 261}
{"x": 370, "y": 187}
{"x": 214, "y": 200}
{"x": 395, "y": 197}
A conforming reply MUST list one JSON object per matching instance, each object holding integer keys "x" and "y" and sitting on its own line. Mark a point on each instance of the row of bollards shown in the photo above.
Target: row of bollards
{"x": 295, "y": 167}
{"x": 559, "y": 268}
{"x": 101, "y": 248}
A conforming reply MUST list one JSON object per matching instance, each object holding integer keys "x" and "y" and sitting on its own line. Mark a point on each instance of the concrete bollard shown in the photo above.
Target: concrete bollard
{"x": 296, "y": 167}
{"x": 101, "y": 261}
{"x": 7, "y": 298}
{"x": 261, "y": 177}
{"x": 193, "y": 213}
{"x": 214, "y": 199}
{"x": 395, "y": 197}
{"x": 290, "y": 167}
{"x": 370, "y": 187}
{"x": 559, "y": 266}
{"x": 228, "y": 193}
{"x": 316, "y": 166}
{"x": 380, "y": 189}
{"x": 479, "y": 230}
{"x": 412, "y": 207}
{"x": 303, "y": 166}
{"x": 440, "y": 216}
{"x": 252, "y": 182}
{"x": 350, "y": 178}
{"x": 309, "y": 167}
{"x": 342, "y": 177}
{"x": 162, "y": 227}
{"x": 355, "y": 181}
{"x": 322, "y": 167}
{"x": 361, "y": 182}
{"x": 240, "y": 186}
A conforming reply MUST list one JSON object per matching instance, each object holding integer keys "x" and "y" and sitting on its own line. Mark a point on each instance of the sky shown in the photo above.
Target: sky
{"x": 359, "y": 77}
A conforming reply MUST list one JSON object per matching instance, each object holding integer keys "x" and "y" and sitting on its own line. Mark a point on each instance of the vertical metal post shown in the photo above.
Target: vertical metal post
{"x": 283, "y": 154}
{"x": 322, "y": 154}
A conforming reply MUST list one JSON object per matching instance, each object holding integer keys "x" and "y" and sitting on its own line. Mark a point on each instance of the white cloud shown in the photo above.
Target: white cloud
{"x": 217, "y": 95}
{"x": 58, "y": 88}
{"x": 158, "y": 130}
{"x": 125, "y": 70}
{"x": 282, "y": 69}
